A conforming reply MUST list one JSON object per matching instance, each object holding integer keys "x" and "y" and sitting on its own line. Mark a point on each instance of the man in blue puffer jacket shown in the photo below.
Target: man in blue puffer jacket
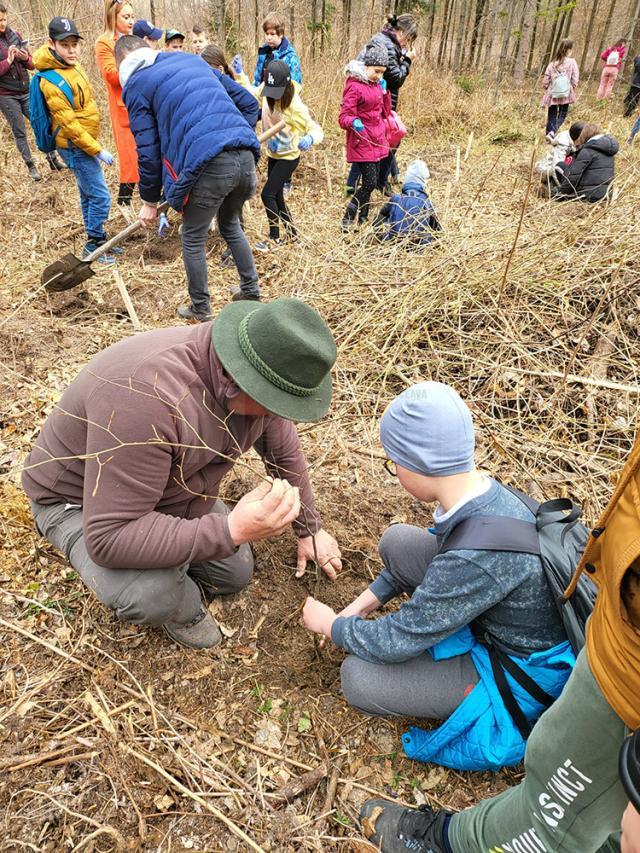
{"x": 195, "y": 142}
{"x": 410, "y": 215}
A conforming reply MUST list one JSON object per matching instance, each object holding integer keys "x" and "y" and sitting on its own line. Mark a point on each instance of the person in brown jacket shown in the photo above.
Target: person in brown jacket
{"x": 125, "y": 475}
{"x": 118, "y": 20}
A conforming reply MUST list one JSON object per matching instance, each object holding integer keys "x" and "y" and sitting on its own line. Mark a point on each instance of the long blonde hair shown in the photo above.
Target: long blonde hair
{"x": 111, "y": 9}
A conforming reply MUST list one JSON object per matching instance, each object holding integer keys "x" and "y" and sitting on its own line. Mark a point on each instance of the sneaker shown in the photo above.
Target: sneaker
{"x": 348, "y": 225}
{"x": 188, "y": 312}
{"x": 116, "y": 250}
{"x": 200, "y": 633}
{"x": 550, "y": 136}
{"x": 33, "y": 172}
{"x": 238, "y": 296}
{"x": 396, "y": 829}
{"x": 286, "y": 189}
{"x": 55, "y": 163}
{"x": 106, "y": 258}
{"x": 266, "y": 245}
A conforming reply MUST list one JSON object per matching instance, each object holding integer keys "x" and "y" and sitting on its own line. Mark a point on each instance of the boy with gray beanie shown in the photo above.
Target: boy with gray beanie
{"x": 422, "y": 659}
{"x": 410, "y": 216}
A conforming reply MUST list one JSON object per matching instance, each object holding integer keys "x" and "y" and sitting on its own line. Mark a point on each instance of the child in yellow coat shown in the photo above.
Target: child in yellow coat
{"x": 281, "y": 101}
{"x": 76, "y": 127}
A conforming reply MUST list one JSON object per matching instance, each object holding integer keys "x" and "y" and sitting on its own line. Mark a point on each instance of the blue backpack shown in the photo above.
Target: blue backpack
{"x": 40, "y": 117}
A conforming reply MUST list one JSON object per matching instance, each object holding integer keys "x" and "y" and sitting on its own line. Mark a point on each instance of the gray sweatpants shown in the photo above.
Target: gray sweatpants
{"x": 143, "y": 596}
{"x": 15, "y": 108}
{"x": 420, "y": 687}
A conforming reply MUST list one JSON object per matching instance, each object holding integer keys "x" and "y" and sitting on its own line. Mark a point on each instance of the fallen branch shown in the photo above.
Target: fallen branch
{"x": 298, "y": 785}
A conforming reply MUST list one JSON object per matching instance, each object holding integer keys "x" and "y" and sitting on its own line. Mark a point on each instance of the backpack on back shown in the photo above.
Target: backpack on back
{"x": 40, "y": 117}
{"x": 613, "y": 58}
{"x": 559, "y": 539}
{"x": 561, "y": 86}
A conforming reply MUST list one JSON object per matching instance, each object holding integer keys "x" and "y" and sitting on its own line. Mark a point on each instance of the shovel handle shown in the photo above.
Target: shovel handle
{"x": 272, "y": 131}
{"x": 118, "y": 238}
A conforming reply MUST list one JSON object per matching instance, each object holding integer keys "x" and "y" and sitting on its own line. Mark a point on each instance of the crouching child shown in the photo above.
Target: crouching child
{"x": 75, "y": 124}
{"x": 562, "y": 147}
{"x": 410, "y": 216}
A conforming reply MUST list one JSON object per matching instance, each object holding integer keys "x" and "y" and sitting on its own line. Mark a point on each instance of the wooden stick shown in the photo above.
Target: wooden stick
{"x": 272, "y": 131}
{"x": 10, "y": 764}
{"x": 128, "y": 304}
{"x": 67, "y": 759}
{"x": 457, "y": 178}
{"x": 572, "y": 379}
{"x": 55, "y": 649}
{"x": 235, "y": 829}
{"x": 94, "y": 720}
{"x": 515, "y": 239}
{"x": 469, "y": 144}
{"x": 298, "y": 785}
{"x": 332, "y": 787}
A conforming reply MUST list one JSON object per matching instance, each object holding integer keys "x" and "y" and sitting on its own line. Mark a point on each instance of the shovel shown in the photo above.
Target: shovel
{"x": 70, "y": 271}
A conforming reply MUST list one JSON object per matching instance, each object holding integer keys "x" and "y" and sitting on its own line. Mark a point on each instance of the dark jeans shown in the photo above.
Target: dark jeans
{"x": 631, "y": 100}
{"x": 279, "y": 173}
{"x": 555, "y": 117}
{"x": 15, "y": 108}
{"x": 224, "y": 184}
{"x": 359, "y": 204}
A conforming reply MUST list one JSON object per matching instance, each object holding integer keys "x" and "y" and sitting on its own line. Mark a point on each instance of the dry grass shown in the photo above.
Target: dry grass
{"x": 114, "y": 739}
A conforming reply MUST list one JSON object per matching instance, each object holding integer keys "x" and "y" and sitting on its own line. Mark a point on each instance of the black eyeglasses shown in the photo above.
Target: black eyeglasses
{"x": 390, "y": 467}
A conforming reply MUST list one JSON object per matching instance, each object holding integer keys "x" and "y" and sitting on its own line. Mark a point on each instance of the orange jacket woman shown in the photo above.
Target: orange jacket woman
{"x": 119, "y": 20}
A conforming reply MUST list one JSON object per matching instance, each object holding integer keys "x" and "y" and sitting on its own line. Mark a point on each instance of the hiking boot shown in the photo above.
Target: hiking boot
{"x": 200, "y": 633}
{"x": 396, "y": 829}
{"x": 188, "y": 312}
{"x": 33, "y": 172}
{"x": 55, "y": 163}
{"x": 90, "y": 246}
{"x": 238, "y": 296}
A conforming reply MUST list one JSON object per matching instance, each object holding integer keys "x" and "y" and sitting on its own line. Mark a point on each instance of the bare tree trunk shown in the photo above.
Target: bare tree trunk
{"x": 292, "y": 21}
{"x": 549, "y": 53}
{"x": 314, "y": 25}
{"x": 631, "y": 34}
{"x": 323, "y": 25}
{"x": 346, "y": 27}
{"x": 489, "y": 43}
{"x": 444, "y": 33}
{"x": 475, "y": 33}
{"x": 504, "y": 52}
{"x": 464, "y": 58}
{"x": 587, "y": 39}
{"x": 603, "y": 38}
{"x": 432, "y": 17}
{"x": 152, "y": 11}
{"x": 451, "y": 33}
{"x": 256, "y": 9}
{"x": 534, "y": 36}
{"x": 460, "y": 34}
{"x": 524, "y": 45}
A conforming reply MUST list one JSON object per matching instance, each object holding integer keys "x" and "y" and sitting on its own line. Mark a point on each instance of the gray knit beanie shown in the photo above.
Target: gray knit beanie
{"x": 376, "y": 54}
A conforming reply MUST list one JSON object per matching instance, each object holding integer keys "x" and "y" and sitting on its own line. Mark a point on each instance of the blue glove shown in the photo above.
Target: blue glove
{"x": 236, "y": 64}
{"x": 306, "y": 142}
{"x": 163, "y": 225}
{"x": 273, "y": 145}
{"x": 105, "y": 157}
{"x": 383, "y": 85}
{"x": 357, "y": 125}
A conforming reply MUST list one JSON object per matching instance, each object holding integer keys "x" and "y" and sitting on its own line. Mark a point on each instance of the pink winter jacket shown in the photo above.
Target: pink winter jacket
{"x": 364, "y": 100}
{"x": 570, "y": 67}
{"x": 621, "y": 52}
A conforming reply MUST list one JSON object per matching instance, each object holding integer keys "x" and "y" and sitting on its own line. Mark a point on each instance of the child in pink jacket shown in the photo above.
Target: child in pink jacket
{"x": 365, "y": 104}
{"x": 612, "y": 58}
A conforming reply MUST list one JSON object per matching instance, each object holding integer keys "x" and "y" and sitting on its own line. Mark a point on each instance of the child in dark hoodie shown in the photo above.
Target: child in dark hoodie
{"x": 410, "y": 215}
{"x": 591, "y": 171}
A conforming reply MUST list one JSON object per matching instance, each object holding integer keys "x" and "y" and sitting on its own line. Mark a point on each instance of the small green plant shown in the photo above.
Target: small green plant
{"x": 256, "y": 691}
{"x": 469, "y": 83}
{"x": 342, "y": 819}
{"x": 304, "y": 724}
{"x": 266, "y": 706}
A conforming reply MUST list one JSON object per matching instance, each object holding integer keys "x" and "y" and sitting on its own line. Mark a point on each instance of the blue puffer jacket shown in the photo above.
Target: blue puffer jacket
{"x": 410, "y": 215}
{"x": 181, "y": 117}
{"x": 480, "y": 734}
{"x": 285, "y": 52}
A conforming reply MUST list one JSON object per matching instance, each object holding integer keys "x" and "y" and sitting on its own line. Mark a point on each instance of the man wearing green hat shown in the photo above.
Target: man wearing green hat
{"x": 125, "y": 475}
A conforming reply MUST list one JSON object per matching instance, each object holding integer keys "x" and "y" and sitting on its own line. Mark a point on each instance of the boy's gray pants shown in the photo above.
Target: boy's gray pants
{"x": 15, "y": 108}
{"x": 143, "y": 596}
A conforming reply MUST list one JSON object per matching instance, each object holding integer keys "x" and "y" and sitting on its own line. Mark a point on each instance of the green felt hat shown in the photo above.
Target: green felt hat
{"x": 280, "y": 353}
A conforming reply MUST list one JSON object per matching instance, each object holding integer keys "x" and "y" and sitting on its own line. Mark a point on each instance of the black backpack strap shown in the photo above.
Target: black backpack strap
{"x": 493, "y": 533}
{"x": 501, "y": 662}
{"x": 531, "y": 503}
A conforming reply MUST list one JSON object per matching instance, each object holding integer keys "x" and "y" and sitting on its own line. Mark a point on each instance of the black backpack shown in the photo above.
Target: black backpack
{"x": 559, "y": 539}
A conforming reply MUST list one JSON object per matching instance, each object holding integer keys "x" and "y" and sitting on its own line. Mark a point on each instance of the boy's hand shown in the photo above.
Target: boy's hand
{"x": 148, "y": 215}
{"x": 105, "y": 157}
{"x": 236, "y": 64}
{"x": 318, "y": 617}
{"x": 327, "y": 550}
{"x": 264, "y": 512}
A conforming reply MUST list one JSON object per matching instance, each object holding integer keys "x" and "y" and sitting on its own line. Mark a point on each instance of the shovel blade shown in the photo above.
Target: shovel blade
{"x": 66, "y": 273}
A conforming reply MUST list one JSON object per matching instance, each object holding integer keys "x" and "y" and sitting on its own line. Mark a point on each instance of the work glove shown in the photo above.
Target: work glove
{"x": 236, "y": 64}
{"x": 163, "y": 225}
{"x": 357, "y": 125}
{"x": 273, "y": 145}
{"x": 105, "y": 157}
{"x": 383, "y": 85}
{"x": 306, "y": 142}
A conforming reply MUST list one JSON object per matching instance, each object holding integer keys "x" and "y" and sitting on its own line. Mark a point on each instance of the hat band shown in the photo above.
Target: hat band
{"x": 263, "y": 368}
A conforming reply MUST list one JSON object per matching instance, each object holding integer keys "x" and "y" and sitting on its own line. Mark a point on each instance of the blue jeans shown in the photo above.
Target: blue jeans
{"x": 95, "y": 199}
{"x": 634, "y": 130}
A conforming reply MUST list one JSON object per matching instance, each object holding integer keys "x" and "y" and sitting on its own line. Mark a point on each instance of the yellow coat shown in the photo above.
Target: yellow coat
{"x": 80, "y": 123}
